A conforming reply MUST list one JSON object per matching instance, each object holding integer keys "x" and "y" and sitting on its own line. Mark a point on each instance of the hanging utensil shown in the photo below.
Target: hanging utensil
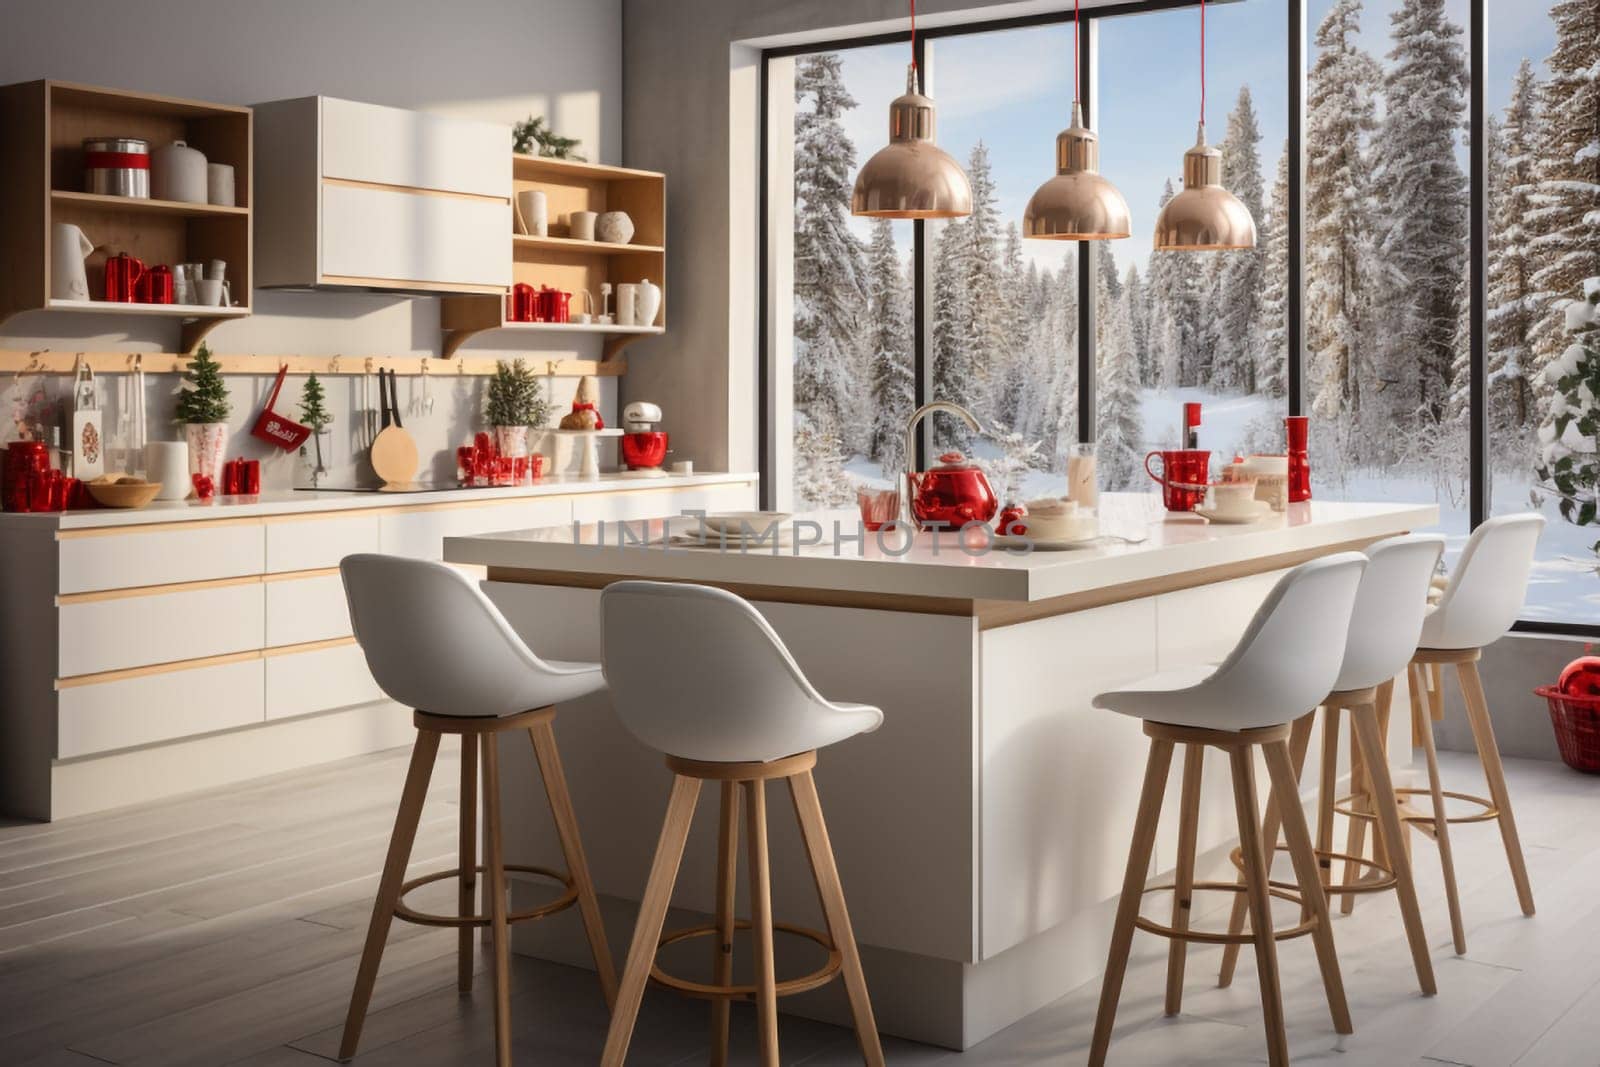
{"x": 394, "y": 453}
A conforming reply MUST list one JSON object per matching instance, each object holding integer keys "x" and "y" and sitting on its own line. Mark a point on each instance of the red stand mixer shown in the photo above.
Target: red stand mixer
{"x": 644, "y": 449}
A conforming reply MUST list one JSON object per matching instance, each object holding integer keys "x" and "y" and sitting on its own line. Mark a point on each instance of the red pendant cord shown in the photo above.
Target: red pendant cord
{"x": 1202, "y": 62}
{"x": 1074, "y": 51}
{"x": 913, "y": 34}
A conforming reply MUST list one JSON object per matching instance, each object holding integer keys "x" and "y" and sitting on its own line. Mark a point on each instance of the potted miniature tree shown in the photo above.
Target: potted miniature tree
{"x": 514, "y": 403}
{"x": 314, "y": 412}
{"x": 202, "y": 410}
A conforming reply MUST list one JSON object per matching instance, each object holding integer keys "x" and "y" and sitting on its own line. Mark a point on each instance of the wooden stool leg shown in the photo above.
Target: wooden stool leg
{"x": 499, "y": 928}
{"x": 394, "y": 874}
{"x": 1356, "y": 833}
{"x": 1260, "y": 900}
{"x": 566, "y": 820}
{"x": 1183, "y": 878}
{"x": 1385, "y": 707}
{"x": 766, "y": 981}
{"x": 1441, "y": 830}
{"x": 1494, "y": 772}
{"x": 652, "y": 914}
{"x": 727, "y": 879}
{"x": 467, "y": 888}
{"x": 808, "y": 809}
{"x": 1327, "y": 786}
{"x": 1299, "y": 741}
{"x": 1308, "y": 874}
{"x": 1364, "y": 720}
{"x": 1143, "y": 843}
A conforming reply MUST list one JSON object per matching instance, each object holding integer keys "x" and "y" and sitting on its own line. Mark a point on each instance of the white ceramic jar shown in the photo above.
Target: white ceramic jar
{"x": 178, "y": 172}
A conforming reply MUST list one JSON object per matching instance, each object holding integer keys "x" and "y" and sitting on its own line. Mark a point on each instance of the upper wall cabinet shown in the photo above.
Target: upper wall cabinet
{"x": 361, "y": 196}
{"x": 59, "y": 225}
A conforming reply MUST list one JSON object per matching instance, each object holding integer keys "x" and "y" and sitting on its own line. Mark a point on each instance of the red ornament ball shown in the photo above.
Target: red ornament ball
{"x": 1581, "y": 677}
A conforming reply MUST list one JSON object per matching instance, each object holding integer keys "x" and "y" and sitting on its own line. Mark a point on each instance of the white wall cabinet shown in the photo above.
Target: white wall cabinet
{"x": 360, "y": 195}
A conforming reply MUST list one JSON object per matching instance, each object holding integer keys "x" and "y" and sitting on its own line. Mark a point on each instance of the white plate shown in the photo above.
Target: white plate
{"x": 733, "y": 522}
{"x": 1041, "y": 545}
{"x": 1261, "y": 510}
{"x": 731, "y": 542}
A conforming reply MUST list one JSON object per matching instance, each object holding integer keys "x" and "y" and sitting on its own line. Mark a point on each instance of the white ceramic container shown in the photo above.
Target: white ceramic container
{"x": 647, "y": 303}
{"x": 614, "y": 227}
{"x": 219, "y": 184}
{"x": 167, "y": 462}
{"x": 581, "y": 225}
{"x": 533, "y": 213}
{"x": 178, "y": 172}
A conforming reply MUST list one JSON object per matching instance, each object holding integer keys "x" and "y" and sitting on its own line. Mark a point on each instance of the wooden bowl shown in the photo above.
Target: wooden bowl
{"x": 125, "y": 492}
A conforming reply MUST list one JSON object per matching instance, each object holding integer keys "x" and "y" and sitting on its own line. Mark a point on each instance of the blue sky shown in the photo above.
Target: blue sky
{"x": 1012, "y": 89}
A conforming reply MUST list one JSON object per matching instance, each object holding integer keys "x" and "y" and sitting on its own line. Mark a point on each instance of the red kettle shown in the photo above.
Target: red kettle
{"x": 952, "y": 494}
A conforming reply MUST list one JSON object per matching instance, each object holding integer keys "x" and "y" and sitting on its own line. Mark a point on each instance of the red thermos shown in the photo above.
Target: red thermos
{"x": 1297, "y": 429}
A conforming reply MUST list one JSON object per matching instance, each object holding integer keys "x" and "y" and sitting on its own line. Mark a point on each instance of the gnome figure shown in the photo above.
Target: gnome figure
{"x": 585, "y": 414}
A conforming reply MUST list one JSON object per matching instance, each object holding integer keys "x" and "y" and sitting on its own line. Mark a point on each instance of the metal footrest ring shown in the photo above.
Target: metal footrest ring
{"x": 1210, "y": 937}
{"x": 1343, "y": 807}
{"x": 404, "y": 911}
{"x": 1377, "y": 879}
{"x": 706, "y": 991}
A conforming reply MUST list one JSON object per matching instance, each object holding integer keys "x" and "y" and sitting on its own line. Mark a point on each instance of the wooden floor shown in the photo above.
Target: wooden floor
{"x": 223, "y": 928}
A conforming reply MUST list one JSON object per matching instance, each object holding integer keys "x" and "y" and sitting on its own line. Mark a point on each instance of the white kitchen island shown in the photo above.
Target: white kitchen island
{"x": 981, "y": 833}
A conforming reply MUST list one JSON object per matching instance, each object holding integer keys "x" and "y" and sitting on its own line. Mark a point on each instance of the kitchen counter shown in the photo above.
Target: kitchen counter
{"x": 308, "y": 501}
{"x": 981, "y": 832}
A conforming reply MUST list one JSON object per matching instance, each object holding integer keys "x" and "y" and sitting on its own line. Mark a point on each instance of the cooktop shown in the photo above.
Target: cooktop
{"x": 380, "y": 487}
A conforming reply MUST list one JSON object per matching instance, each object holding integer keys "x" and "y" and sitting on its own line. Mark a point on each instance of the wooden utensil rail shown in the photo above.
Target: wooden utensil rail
{"x": 21, "y": 363}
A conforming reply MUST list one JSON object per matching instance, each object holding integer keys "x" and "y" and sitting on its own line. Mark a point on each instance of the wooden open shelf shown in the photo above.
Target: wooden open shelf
{"x": 42, "y": 128}
{"x": 577, "y": 267}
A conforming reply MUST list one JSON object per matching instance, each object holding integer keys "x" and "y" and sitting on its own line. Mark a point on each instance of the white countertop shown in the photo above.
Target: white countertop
{"x": 295, "y": 501}
{"x": 935, "y": 565}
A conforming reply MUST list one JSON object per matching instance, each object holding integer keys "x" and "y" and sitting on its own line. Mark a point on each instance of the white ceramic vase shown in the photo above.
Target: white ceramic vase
{"x": 208, "y": 443}
{"x": 614, "y": 227}
{"x": 511, "y": 440}
{"x": 646, "y": 303}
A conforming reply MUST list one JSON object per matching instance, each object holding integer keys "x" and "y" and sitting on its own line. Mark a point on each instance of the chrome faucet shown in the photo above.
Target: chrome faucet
{"x": 909, "y": 489}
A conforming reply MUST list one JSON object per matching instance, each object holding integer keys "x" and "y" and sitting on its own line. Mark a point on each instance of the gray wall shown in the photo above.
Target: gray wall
{"x": 497, "y": 60}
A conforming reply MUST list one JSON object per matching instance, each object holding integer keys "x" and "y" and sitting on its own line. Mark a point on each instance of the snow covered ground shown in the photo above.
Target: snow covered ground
{"x": 1565, "y": 585}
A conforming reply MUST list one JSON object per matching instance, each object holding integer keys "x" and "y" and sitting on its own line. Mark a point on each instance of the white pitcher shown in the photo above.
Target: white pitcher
{"x": 68, "y": 249}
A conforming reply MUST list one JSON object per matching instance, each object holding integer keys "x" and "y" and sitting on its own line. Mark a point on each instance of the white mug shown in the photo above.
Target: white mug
{"x": 217, "y": 270}
{"x": 627, "y": 301}
{"x": 167, "y": 462}
{"x": 213, "y": 292}
{"x": 219, "y": 184}
{"x": 683, "y": 466}
{"x": 533, "y": 213}
{"x": 581, "y": 225}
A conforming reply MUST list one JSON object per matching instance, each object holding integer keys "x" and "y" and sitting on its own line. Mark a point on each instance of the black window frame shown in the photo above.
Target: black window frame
{"x": 1296, "y": 72}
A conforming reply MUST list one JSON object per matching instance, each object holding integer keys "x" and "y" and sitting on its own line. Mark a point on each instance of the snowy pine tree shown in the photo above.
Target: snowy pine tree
{"x": 1133, "y": 291}
{"x": 1569, "y": 459}
{"x": 1424, "y": 228}
{"x": 1236, "y": 332}
{"x": 1341, "y": 111}
{"x": 1119, "y": 429}
{"x": 954, "y": 373}
{"x": 1272, "y": 366}
{"x": 829, "y": 263}
{"x": 987, "y": 328}
{"x": 1565, "y": 249}
{"x": 820, "y": 480}
{"x": 892, "y": 392}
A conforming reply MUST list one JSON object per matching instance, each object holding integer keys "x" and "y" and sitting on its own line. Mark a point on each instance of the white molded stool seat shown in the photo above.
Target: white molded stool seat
{"x": 1389, "y": 610}
{"x": 1285, "y": 663}
{"x": 1487, "y": 587}
{"x": 696, "y": 672}
{"x": 434, "y": 642}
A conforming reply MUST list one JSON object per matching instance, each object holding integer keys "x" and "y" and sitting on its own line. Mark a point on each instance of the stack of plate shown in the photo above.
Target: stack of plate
{"x": 740, "y": 529}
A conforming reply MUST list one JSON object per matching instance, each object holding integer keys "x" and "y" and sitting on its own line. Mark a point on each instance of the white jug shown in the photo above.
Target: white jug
{"x": 647, "y": 303}
{"x": 68, "y": 249}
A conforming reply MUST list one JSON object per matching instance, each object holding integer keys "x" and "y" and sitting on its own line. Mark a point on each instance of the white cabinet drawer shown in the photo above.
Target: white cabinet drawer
{"x": 306, "y": 609}
{"x": 663, "y": 503}
{"x": 414, "y": 237}
{"x": 371, "y": 143}
{"x": 157, "y": 707}
{"x": 421, "y": 534}
{"x": 303, "y": 682}
{"x": 137, "y": 631}
{"x": 159, "y": 557}
{"x": 312, "y": 544}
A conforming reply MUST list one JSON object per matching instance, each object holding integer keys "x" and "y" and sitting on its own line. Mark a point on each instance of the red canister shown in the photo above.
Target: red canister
{"x": 524, "y": 303}
{"x": 155, "y": 287}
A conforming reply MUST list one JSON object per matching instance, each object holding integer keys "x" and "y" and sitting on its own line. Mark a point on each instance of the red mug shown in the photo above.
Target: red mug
{"x": 1185, "y": 473}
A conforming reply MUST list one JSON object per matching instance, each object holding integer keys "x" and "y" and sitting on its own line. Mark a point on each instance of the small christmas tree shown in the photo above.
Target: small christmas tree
{"x": 526, "y": 136}
{"x": 514, "y": 397}
{"x": 1568, "y": 455}
{"x": 202, "y": 396}
{"x": 312, "y": 409}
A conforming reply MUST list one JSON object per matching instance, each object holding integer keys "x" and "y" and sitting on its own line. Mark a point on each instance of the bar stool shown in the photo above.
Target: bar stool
{"x": 1479, "y": 604}
{"x": 1288, "y": 659}
{"x": 1383, "y": 632}
{"x": 435, "y": 643}
{"x": 697, "y": 674}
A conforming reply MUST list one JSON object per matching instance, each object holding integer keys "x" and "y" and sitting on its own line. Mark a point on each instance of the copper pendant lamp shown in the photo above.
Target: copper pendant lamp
{"x": 911, "y": 177}
{"x": 1078, "y": 204}
{"x": 1204, "y": 217}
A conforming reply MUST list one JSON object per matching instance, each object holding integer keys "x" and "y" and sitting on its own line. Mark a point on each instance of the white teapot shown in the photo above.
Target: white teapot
{"x": 68, "y": 249}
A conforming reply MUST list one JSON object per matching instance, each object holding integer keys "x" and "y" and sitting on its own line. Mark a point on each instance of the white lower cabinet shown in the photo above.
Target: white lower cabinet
{"x": 306, "y": 609}
{"x": 299, "y": 683}
{"x": 157, "y": 707}
{"x": 139, "y": 631}
{"x": 105, "y": 560}
{"x": 421, "y": 534}
{"x": 312, "y": 544}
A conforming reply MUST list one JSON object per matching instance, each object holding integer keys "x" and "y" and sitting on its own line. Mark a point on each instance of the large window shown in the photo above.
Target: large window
{"x": 1425, "y": 180}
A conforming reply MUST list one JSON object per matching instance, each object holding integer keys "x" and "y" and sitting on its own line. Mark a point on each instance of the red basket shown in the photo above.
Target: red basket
{"x": 1577, "y": 723}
